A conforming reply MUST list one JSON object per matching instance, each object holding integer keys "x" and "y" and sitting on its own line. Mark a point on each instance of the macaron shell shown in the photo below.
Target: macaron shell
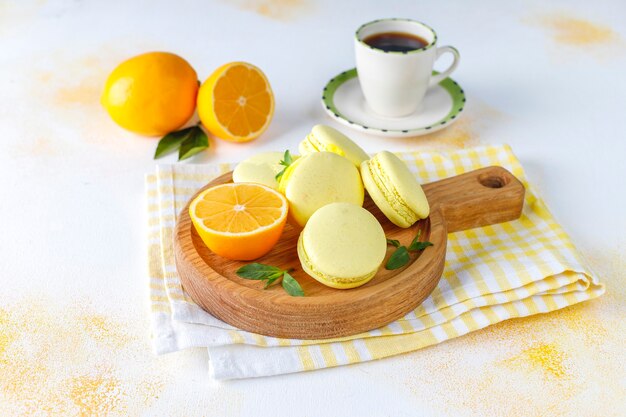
{"x": 394, "y": 189}
{"x": 342, "y": 245}
{"x": 318, "y": 179}
{"x": 327, "y": 139}
{"x": 405, "y": 182}
{"x": 261, "y": 169}
{"x": 380, "y": 199}
{"x": 305, "y": 148}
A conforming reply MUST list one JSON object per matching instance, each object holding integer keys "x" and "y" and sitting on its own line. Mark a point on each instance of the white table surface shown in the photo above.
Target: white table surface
{"x": 546, "y": 79}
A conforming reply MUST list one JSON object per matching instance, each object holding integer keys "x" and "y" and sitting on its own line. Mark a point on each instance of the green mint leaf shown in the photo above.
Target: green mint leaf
{"x": 416, "y": 238}
{"x": 171, "y": 142}
{"x": 196, "y": 142}
{"x": 272, "y": 279}
{"x": 286, "y": 161}
{"x": 270, "y": 274}
{"x": 398, "y": 258}
{"x": 258, "y": 271}
{"x": 417, "y": 245}
{"x": 393, "y": 242}
{"x": 291, "y": 286}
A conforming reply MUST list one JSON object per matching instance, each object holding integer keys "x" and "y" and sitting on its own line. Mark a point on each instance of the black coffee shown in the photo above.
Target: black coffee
{"x": 395, "y": 41}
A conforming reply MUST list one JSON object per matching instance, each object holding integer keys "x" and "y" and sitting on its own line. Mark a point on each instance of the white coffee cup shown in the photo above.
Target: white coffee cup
{"x": 395, "y": 83}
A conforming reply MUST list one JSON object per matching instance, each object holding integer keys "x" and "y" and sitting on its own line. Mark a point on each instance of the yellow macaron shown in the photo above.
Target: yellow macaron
{"x": 261, "y": 169}
{"x": 317, "y": 179}
{"x": 394, "y": 189}
{"x": 325, "y": 138}
{"x": 342, "y": 246}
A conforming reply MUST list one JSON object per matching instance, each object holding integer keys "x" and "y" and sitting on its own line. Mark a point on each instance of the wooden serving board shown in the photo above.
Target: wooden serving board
{"x": 478, "y": 198}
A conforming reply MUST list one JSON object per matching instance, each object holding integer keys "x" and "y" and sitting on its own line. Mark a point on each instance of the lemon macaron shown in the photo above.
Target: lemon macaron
{"x": 325, "y": 138}
{"x": 317, "y": 179}
{"x": 394, "y": 189}
{"x": 342, "y": 246}
{"x": 261, "y": 169}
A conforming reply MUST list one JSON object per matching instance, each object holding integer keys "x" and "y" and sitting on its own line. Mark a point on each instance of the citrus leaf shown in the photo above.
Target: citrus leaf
{"x": 291, "y": 286}
{"x": 171, "y": 142}
{"x": 196, "y": 142}
{"x": 398, "y": 258}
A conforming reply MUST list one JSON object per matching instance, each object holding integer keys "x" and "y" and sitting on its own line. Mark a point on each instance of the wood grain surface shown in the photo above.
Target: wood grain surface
{"x": 486, "y": 196}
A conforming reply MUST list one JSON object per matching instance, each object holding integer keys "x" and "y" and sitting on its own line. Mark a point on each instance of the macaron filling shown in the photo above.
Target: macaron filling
{"x": 284, "y": 179}
{"x": 316, "y": 145}
{"x": 391, "y": 194}
{"x": 310, "y": 269}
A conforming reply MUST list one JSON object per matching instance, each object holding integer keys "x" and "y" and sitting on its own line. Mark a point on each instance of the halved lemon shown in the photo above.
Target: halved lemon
{"x": 236, "y": 102}
{"x": 240, "y": 221}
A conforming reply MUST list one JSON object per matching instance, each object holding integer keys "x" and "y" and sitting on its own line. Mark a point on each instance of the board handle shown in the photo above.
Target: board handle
{"x": 477, "y": 198}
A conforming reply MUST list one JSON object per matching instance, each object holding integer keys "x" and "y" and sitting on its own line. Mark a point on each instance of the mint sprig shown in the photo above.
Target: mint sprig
{"x": 400, "y": 257}
{"x": 286, "y": 161}
{"x": 416, "y": 245}
{"x": 188, "y": 142}
{"x": 393, "y": 242}
{"x": 270, "y": 274}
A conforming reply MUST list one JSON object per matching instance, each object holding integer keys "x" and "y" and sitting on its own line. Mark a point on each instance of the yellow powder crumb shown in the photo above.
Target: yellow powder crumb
{"x": 459, "y": 136}
{"x": 555, "y": 361}
{"x": 95, "y": 395}
{"x": 86, "y": 92}
{"x": 464, "y": 133}
{"x": 578, "y": 32}
{"x": 548, "y": 357}
{"x": 50, "y": 365}
{"x": 104, "y": 330}
{"x": 4, "y": 342}
{"x": 274, "y": 9}
{"x": 568, "y": 30}
{"x": 149, "y": 390}
{"x": 5, "y": 336}
{"x": 41, "y": 146}
{"x": 43, "y": 77}
{"x": 589, "y": 329}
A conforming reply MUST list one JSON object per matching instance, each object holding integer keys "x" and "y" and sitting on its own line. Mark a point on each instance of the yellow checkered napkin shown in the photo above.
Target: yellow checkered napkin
{"x": 494, "y": 273}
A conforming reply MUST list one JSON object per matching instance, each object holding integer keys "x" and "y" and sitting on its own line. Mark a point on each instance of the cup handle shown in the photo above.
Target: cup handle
{"x": 436, "y": 79}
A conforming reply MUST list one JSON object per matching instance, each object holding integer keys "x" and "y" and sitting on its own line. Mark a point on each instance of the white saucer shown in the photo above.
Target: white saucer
{"x": 344, "y": 102}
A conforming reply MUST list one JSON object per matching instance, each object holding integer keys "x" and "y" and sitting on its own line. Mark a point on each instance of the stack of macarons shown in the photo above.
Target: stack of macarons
{"x": 341, "y": 245}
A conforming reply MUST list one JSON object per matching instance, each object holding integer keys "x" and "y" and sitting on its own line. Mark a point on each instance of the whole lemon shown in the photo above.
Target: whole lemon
{"x": 151, "y": 94}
